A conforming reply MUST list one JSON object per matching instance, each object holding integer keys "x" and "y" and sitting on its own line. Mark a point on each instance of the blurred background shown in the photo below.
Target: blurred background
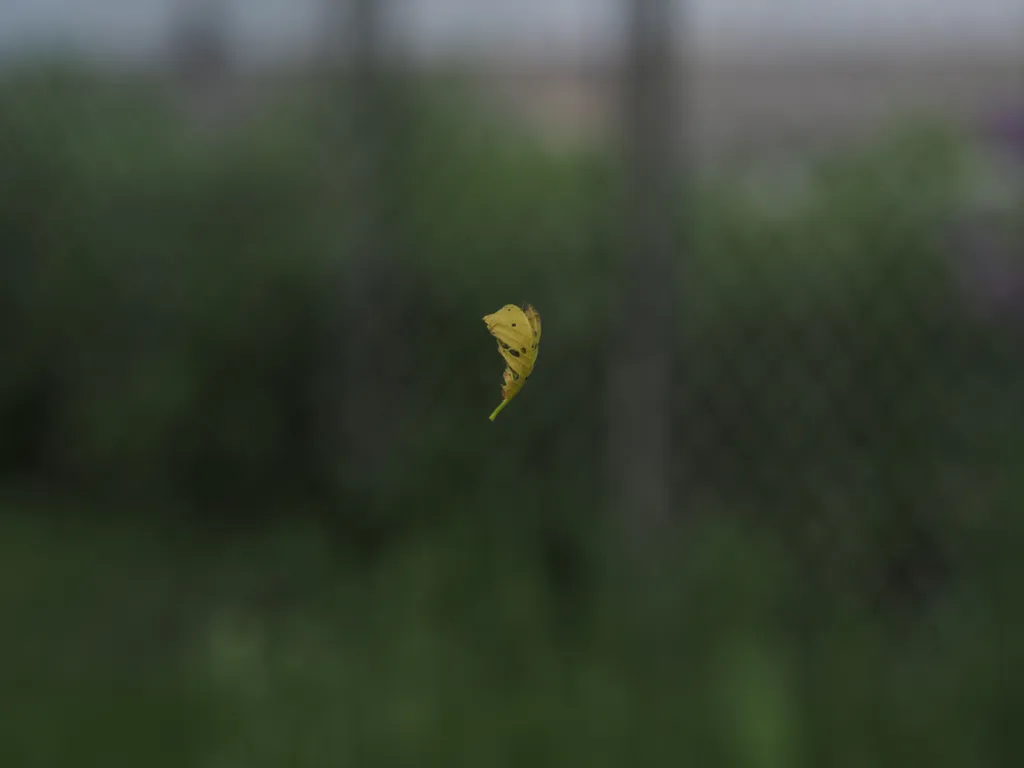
{"x": 761, "y": 505}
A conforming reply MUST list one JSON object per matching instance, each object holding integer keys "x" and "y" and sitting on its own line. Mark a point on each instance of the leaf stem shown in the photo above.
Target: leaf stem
{"x": 498, "y": 409}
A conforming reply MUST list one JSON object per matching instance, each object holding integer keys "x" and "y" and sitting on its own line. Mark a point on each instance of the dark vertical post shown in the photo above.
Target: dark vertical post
{"x": 199, "y": 53}
{"x": 640, "y": 396}
{"x": 362, "y": 395}
{"x": 366, "y": 290}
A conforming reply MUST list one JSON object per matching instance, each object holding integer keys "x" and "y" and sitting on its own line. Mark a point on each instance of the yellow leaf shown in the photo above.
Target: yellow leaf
{"x": 518, "y": 333}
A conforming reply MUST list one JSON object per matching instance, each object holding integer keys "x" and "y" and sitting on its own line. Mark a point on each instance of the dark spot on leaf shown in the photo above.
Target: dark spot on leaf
{"x": 515, "y": 376}
{"x": 503, "y": 345}
{"x": 513, "y": 325}
{"x": 523, "y": 350}
{"x": 513, "y": 352}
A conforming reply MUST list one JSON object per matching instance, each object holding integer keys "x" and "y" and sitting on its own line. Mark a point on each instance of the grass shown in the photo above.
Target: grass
{"x": 129, "y": 647}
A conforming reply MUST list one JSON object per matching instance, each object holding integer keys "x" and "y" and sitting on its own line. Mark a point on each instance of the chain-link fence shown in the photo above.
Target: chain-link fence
{"x": 255, "y": 513}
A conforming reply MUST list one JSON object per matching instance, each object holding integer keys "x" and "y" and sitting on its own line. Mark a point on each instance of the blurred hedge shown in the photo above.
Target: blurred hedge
{"x": 167, "y": 298}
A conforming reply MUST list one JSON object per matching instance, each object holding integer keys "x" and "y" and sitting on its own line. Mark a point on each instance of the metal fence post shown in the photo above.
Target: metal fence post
{"x": 640, "y": 399}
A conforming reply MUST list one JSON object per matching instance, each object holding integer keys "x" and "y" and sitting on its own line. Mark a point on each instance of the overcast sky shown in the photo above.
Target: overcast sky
{"x": 261, "y": 26}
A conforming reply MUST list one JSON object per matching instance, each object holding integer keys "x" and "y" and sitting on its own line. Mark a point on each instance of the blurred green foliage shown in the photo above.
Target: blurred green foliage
{"x": 125, "y": 645}
{"x": 849, "y": 438}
